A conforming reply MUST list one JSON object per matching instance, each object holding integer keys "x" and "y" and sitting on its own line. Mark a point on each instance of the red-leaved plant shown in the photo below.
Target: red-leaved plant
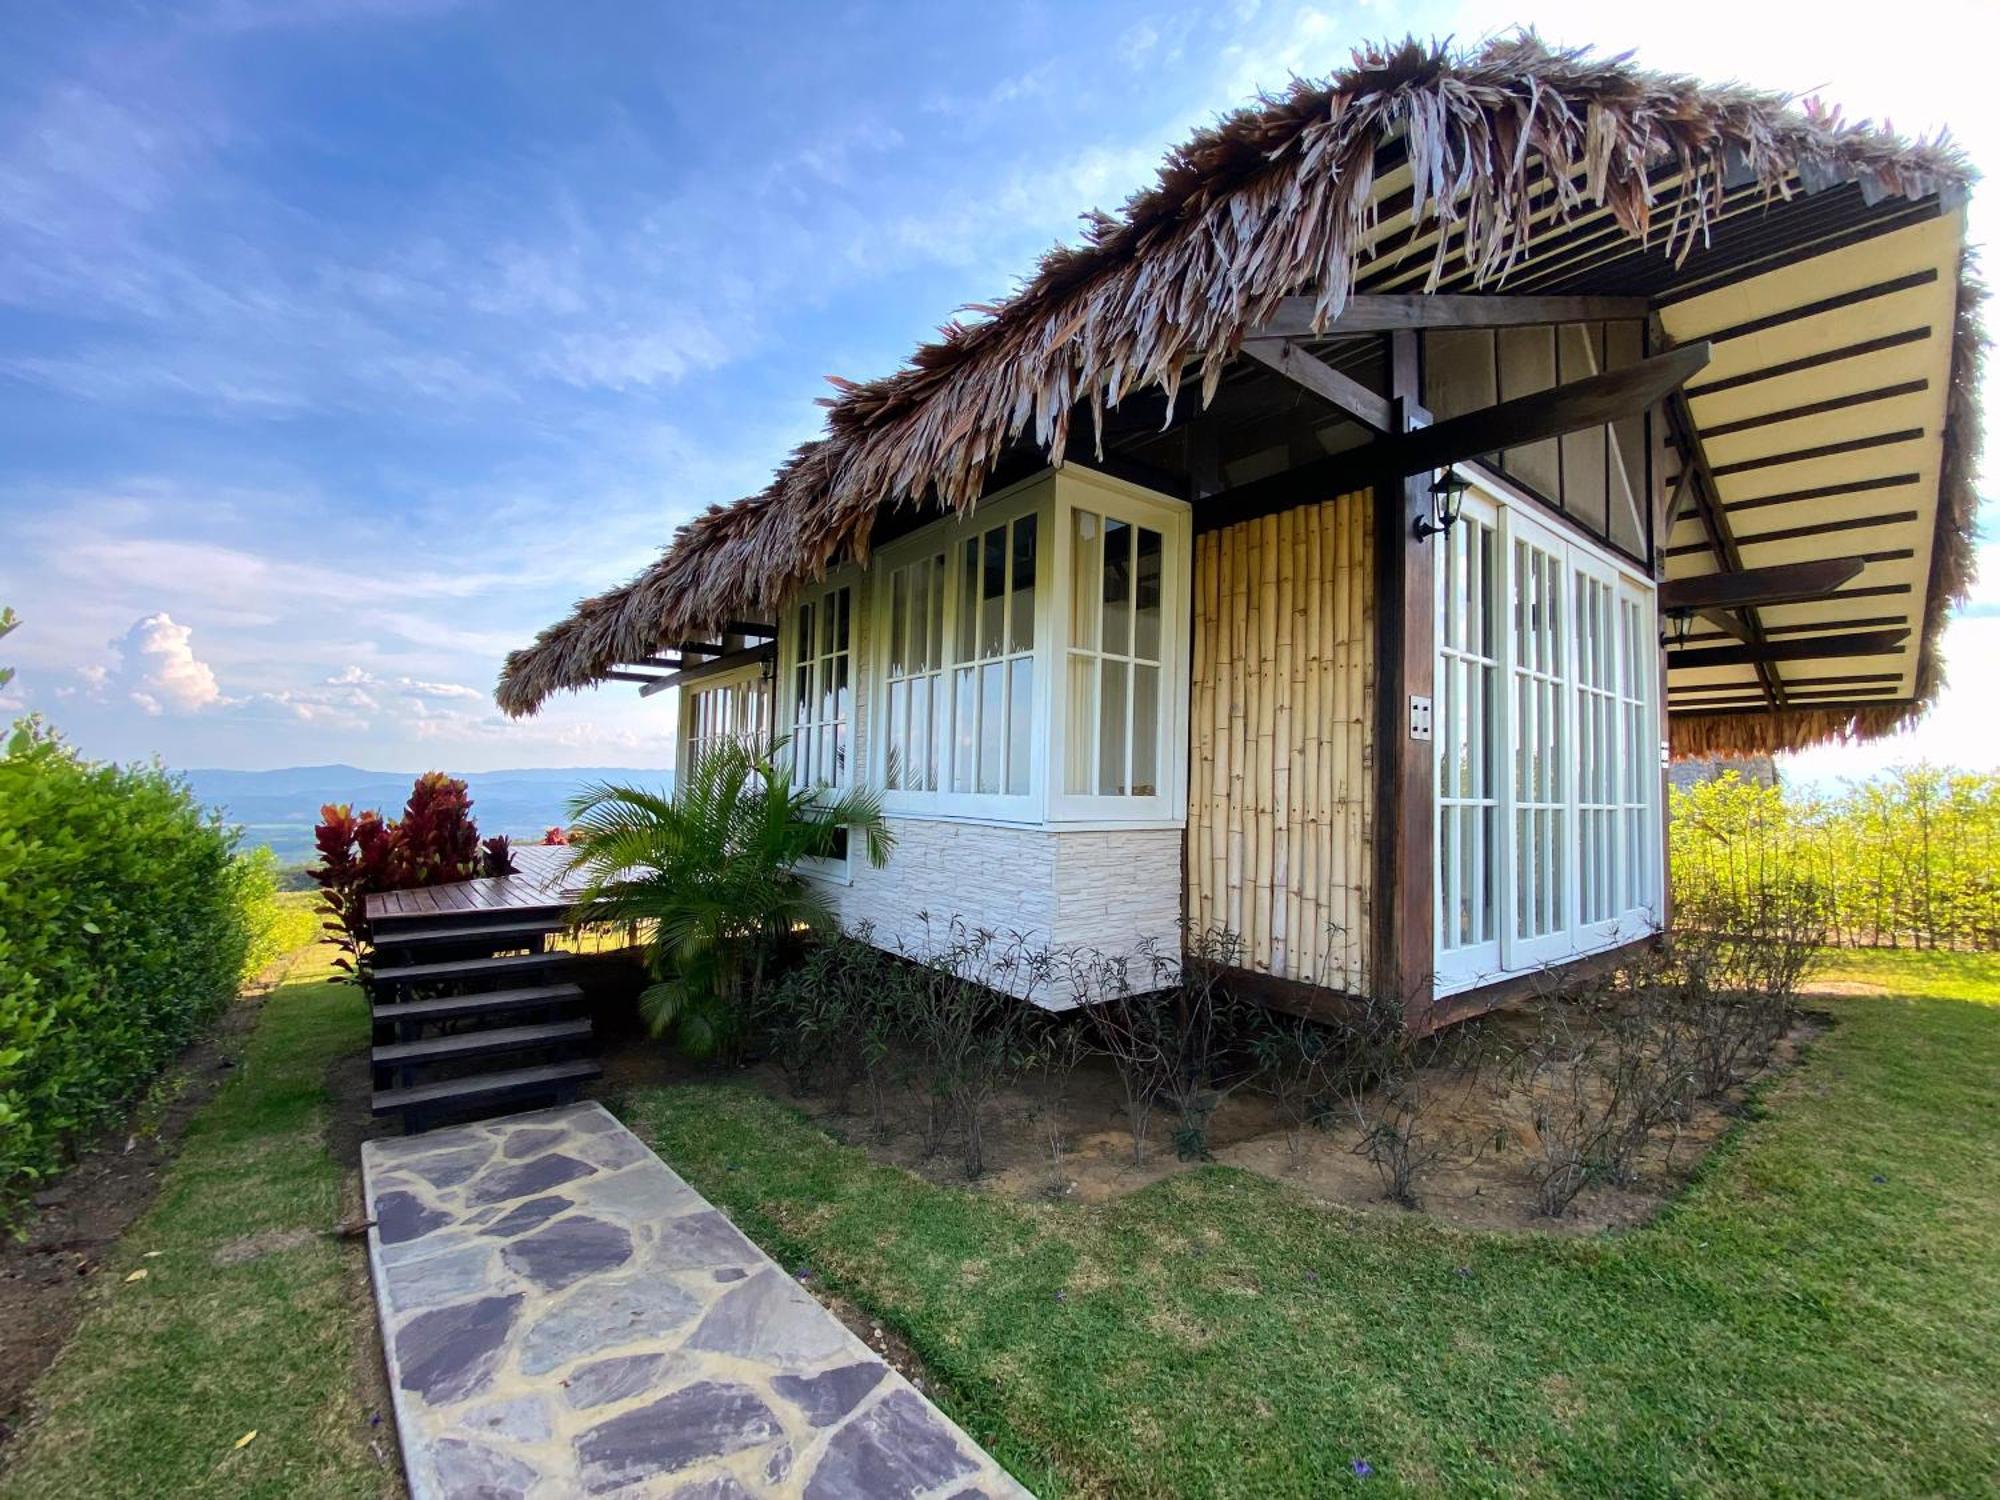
{"x": 496, "y": 858}
{"x": 557, "y": 836}
{"x": 434, "y": 842}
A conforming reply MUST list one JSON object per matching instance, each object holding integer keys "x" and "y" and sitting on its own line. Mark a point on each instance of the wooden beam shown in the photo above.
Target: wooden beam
{"x": 1319, "y": 377}
{"x": 1707, "y": 499}
{"x": 1591, "y": 402}
{"x": 1785, "y": 583}
{"x": 616, "y": 675}
{"x": 1803, "y": 648}
{"x": 748, "y": 656}
{"x": 753, "y": 629}
{"x": 1403, "y": 961}
{"x": 666, "y": 663}
{"x": 1367, "y": 312}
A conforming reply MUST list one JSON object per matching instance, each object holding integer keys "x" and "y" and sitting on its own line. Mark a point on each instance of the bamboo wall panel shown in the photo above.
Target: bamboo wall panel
{"x": 1280, "y": 800}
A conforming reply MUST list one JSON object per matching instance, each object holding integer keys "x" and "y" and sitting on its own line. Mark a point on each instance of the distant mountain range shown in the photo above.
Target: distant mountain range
{"x": 280, "y": 808}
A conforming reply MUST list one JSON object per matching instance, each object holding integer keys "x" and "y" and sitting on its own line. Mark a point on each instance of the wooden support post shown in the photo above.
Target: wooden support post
{"x": 1404, "y": 958}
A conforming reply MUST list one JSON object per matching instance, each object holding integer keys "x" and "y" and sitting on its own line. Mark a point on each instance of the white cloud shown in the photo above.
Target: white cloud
{"x": 158, "y": 670}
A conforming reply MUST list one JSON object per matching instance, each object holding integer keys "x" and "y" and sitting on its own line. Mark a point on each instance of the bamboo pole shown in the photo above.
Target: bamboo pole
{"x": 1279, "y": 667}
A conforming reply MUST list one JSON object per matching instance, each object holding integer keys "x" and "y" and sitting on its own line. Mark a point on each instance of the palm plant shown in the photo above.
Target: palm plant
{"x": 713, "y": 870}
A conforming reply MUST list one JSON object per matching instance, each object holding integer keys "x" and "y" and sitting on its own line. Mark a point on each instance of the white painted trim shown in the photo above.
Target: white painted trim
{"x": 1511, "y": 954}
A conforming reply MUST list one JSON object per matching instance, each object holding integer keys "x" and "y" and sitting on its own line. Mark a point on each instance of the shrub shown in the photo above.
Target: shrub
{"x": 967, "y": 1006}
{"x": 435, "y": 842}
{"x": 126, "y": 923}
{"x": 714, "y": 871}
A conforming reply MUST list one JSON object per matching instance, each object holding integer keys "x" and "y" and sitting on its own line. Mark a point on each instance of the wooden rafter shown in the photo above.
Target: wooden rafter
{"x": 748, "y": 656}
{"x": 1319, "y": 377}
{"x": 1806, "y": 648}
{"x": 1707, "y": 501}
{"x": 1391, "y": 312}
{"x": 1784, "y": 583}
{"x": 1590, "y": 402}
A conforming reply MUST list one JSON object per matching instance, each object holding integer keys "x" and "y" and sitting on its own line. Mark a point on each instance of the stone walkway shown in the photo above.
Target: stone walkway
{"x": 564, "y": 1315}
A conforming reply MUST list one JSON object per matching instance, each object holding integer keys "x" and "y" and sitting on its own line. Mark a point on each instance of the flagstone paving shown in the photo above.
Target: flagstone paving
{"x": 563, "y": 1315}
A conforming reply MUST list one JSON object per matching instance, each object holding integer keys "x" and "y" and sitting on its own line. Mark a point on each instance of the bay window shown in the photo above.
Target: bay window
{"x": 1546, "y": 737}
{"x": 822, "y": 688}
{"x": 733, "y": 709}
{"x": 1024, "y": 668}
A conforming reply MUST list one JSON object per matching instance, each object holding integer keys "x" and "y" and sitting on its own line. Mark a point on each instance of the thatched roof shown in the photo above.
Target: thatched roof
{"x": 1280, "y": 199}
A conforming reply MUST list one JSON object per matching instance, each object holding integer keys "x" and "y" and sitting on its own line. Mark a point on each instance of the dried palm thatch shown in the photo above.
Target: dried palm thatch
{"x": 1276, "y": 200}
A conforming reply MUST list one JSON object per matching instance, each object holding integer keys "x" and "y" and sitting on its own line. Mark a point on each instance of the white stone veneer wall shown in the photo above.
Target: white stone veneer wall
{"x": 1063, "y": 889}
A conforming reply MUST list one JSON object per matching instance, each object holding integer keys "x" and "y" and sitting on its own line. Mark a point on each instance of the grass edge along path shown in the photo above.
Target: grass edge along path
{"x": 1815, "y": 1315}
{"x": 246, "y": 1317}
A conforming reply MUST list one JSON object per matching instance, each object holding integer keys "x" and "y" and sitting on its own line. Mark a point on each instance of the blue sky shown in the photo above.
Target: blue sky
{"x": 345, "y": 343}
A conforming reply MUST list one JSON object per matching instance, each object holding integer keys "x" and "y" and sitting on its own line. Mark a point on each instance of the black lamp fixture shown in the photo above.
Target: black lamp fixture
{"x": 1447, "y": 496}
{"x": 1678, "y": 621}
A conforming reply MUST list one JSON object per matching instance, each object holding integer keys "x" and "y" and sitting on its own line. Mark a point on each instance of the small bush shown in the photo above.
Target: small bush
{"x": 435, "y": 842}
{"x": 967, "y": 1003}
{"x": 127, "y": 921}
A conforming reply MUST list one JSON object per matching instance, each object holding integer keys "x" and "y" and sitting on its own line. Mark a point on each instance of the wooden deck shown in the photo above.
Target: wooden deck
{"x": 540, "y": 884}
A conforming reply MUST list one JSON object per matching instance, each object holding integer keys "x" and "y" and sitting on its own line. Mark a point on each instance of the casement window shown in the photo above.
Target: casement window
{"x": 1024, "y": 669}
{"x": 1547, "y": 744}
{"x": 1115, "y": 645}
{"x": 822, "y": 688}
{"x": 993, "y": 667}
{"x": 733, "y": 709}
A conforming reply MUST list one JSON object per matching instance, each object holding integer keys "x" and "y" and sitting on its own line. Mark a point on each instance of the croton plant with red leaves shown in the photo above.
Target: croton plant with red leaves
{"x": 434, "y": 842}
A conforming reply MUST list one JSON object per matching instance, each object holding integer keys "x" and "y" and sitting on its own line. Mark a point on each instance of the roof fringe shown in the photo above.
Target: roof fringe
{"x": 1274, "y": 200}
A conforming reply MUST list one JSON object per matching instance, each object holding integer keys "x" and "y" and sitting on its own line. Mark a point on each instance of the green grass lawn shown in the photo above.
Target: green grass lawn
{"x": 1819, "y": 1314}
{"x": 166, "y": 1373}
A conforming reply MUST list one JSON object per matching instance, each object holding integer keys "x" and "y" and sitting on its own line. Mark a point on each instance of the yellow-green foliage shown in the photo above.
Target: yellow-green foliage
{"x": 127, "y": 920}
{"x": 1911, "y": 858}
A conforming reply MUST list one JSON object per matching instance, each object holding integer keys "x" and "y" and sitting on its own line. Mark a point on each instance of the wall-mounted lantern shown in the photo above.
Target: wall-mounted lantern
{"x": 1447, "y": 497}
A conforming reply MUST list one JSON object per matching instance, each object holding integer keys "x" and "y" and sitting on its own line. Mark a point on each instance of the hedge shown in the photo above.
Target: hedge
{"x": 127, "y": 921}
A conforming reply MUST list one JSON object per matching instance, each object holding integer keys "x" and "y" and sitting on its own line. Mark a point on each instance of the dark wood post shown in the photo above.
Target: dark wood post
{"x": 1404, "y": 918}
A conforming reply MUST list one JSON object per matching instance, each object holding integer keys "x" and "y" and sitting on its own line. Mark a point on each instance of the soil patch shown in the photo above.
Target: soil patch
{"x": 79, "y": 1217}
{"x": 1481, "y": 1182}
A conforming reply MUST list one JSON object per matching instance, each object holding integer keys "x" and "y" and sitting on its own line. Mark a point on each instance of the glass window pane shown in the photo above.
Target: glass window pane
{"x": 992, "y": 725}
{"x": 1020, "y": 723}
{"x": 1021, "y": 604}
{"x": 896, "y": 774}
{"x": 842, "y": 600}
{"x": 899, "y": 622}
{"x": 1080, "y": 754}
{"x": 1146, "y": 597}
{"x": 1111, "y": 732}
{"x": 993, "y": 594}
{"x": 1145, "y": 731}
{"x": 935, "y": 656}
{"x": 965, "y": 723}
{"x": 1087, "y": 540}
{"x": 1117, "y": 587}
{"x": 966, "y": 646}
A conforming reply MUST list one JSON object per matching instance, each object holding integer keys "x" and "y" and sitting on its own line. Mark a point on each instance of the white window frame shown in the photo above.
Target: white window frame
{"x": 1638, "y": 876}
{"x": 1053, "y": 498}
{"x": 759, "y": 734}
{"x": 1175, "y": 524}
{"x": 1466, "y": 964}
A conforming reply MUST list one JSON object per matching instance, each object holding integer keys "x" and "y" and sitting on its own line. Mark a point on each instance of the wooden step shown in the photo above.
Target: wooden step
{"x": 472, "y": 932}
{"x": 479, "y": 1043}
{"x": 470, "y": 968}
{"x": 471, "y": 916}
{"x": 467, "y": 1007}
{"x": 488, "y": 1088}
